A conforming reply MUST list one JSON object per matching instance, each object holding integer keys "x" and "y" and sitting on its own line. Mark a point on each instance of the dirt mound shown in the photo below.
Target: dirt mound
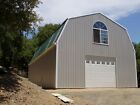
{"x": 16, "y": 90}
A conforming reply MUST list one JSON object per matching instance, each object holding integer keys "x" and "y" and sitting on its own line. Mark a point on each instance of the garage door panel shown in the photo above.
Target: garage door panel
{"x": 101, "y": 74}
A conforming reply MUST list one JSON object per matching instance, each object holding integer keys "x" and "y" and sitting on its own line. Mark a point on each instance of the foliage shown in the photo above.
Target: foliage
{"x": 45, "y": 32}
{"x": 28, "y": 49}
{"x": 137, "y": 48}
{"x": 16, "y": 17}
{"x": 18, "y": 14}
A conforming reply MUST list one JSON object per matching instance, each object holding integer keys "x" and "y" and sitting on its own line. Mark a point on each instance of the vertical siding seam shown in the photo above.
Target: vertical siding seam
{"x": 56, "y": 69}
{"x": 116, "y": 72}
{"x": 74, "y": 56}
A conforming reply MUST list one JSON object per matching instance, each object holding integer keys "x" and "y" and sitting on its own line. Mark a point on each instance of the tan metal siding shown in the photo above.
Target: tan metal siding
{"x": 42, "y": 72}
{"x": 77, "y": 41}
{"x": 69, "y": 75}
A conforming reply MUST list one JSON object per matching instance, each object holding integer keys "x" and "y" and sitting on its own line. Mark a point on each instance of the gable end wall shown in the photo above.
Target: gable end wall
{"x": 76, "y": 42}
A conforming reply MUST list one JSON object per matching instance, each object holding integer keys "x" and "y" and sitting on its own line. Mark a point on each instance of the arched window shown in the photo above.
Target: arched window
{"x": 100, "y": 33}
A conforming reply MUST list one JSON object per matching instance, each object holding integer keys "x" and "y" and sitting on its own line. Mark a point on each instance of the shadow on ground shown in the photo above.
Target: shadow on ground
{"x": 2, "y": 98}
{"x": 9, "y": 83}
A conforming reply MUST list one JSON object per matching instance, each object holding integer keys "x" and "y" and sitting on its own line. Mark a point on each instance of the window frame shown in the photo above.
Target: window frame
{"x": 100, "y": 35}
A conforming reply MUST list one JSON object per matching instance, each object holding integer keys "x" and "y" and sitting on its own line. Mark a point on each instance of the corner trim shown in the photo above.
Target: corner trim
{"x": 134, "y": 52}
{"x": 57, "y": 49}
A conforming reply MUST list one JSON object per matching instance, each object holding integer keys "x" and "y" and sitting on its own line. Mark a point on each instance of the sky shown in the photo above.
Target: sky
{"x": 132, "y": 23}
{"x": 125, "y": 12}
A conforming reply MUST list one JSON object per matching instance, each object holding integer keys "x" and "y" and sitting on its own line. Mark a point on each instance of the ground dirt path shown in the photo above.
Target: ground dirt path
{"x": 102, "y": 96}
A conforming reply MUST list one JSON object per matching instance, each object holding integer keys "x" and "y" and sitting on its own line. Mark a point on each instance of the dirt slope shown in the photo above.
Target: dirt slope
{"x": 15, "y": 90}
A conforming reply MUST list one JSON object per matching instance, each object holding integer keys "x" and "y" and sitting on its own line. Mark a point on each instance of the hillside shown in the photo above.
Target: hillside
{"x": 16, "y": 90}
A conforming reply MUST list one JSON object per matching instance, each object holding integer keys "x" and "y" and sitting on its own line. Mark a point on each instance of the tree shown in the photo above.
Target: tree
{"x": 137, "y": 48}
{"x": 18, "y": 15}
{"x": 28, "y": 49}
{"x": 16, "y": 18}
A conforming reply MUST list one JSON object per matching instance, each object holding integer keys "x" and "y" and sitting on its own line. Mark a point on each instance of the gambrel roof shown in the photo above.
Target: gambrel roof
{"x": 54, "y": 37}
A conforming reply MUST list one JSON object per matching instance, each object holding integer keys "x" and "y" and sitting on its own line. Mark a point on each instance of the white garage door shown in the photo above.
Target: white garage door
{"x": 100, "y": 73}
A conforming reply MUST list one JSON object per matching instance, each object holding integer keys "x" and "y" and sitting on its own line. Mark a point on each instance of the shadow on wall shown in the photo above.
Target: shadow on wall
{"x": 9, "y": 84}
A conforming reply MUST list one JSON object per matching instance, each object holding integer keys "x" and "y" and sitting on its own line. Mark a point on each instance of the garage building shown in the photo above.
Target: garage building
{"x": 85, "y": 52}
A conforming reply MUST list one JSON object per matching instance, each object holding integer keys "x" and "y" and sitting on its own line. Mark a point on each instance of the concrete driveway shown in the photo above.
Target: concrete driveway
{"x": 102, "y": 96}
